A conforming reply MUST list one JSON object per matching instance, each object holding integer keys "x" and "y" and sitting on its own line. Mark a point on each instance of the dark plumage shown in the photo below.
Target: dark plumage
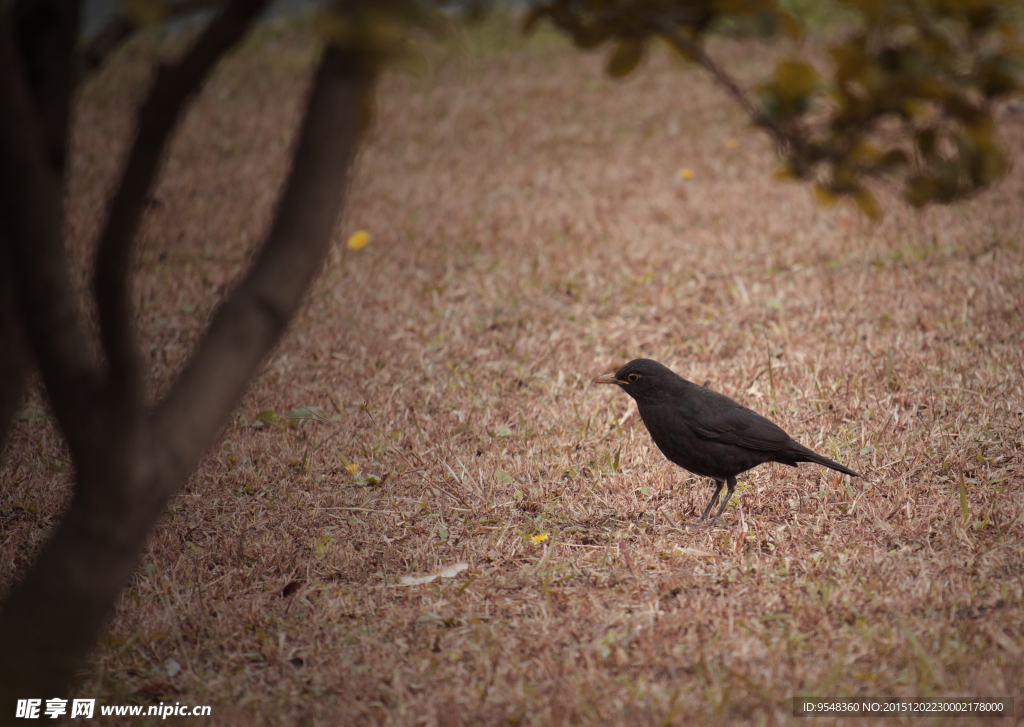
{"x": 705, "y": 432}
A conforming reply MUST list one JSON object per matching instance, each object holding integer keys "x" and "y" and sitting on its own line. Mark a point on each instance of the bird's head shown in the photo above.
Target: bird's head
{"x": 642, "y": 378}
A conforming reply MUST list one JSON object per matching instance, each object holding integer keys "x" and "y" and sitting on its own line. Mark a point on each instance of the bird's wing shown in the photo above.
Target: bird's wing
{"x": 733, "y": 424}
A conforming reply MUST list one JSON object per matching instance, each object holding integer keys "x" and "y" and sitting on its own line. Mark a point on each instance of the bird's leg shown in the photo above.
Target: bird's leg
{"x": 725, "y": 500}
{"x": 718, "y": 488}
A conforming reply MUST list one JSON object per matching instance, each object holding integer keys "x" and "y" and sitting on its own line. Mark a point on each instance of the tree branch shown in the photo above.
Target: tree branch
{"x": 793, "y": 142}
{"x": 250, "y": 322}
{"x": 51, "y": 620}
{"x": 46, "y": 34}
{"x": 158, "y": 117}
{"x": 47, "y": 31}
{"x": 31, "y": 216}
{"x": 693, "y": 49}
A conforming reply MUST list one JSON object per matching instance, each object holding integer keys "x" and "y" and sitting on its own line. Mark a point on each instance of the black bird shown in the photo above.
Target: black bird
{"x": 705, "y": 432}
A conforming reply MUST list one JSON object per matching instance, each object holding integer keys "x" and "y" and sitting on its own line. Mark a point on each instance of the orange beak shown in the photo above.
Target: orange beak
{"x": 608, "y": 379}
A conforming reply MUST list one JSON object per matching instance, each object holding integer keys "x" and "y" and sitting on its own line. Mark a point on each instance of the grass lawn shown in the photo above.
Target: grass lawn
{"x": 530, "y": 229}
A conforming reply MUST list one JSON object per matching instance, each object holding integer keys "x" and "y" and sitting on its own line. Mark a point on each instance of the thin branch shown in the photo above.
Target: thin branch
{"x": 693, "y": 49}
{"x": 794, "y": 142}
{"x": 252, "y": 319}
{"x": 158, "y": 117}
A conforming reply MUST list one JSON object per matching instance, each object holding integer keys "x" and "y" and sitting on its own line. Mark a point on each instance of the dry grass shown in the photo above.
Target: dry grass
{"x": 529, "y": 232}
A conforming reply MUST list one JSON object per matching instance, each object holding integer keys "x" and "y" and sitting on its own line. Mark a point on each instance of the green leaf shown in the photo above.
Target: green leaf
{"x": 925, "y": 142}
{"x": 625, "y": 57}
{"x": 921, "y": 190}
{"x": 988, "y": 166}
{"x": 824, "y": 196}
{"x": 791, "y": 25}
{"x": 894, "y": 160}
{"x": 796, "y": 78}
{"x": 267, "y": 418}
{"x": 850, "y": 61}
{"x": 864, "y": 153}
{"x": 873, "y": 9}
{"x": 867, "y": 204}
{"x": 589, "y": 37}
{"x": 784, "y": 171}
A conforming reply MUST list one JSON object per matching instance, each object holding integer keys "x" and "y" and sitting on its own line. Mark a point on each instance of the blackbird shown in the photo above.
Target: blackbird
{"x": 705, "y": 432}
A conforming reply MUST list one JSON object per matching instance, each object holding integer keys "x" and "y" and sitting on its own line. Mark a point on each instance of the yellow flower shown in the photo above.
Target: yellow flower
{"x": 358, "y": 240}
{"x": 687, "y": 173}
{"x": 352, "y": 467}
{"x": 732, "y": 143}
{"x": 539, "y": 538}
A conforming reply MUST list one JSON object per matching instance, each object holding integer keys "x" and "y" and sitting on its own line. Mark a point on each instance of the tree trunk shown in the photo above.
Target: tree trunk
{"x": 130, "y": 461}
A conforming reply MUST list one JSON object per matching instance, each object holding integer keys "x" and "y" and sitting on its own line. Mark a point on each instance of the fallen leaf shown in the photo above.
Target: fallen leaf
{"x": 358, "y": 240}
{"x": 449, "y": 572}
{"x": 267, "y": 418}
{"x": 321, "y": 545}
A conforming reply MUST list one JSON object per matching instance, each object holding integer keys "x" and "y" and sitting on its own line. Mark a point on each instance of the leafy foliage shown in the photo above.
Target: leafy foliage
{"x": 910, "y": 96}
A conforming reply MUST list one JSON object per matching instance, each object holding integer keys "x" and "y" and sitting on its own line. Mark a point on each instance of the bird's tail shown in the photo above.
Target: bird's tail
{"x": 809, "y": 455}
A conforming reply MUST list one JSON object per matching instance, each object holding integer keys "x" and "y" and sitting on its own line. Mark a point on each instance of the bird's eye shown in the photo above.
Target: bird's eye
{"x": 633, "y": 377}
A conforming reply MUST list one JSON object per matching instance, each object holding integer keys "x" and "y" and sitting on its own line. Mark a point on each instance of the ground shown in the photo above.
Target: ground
{"x": 530, "y": 228}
